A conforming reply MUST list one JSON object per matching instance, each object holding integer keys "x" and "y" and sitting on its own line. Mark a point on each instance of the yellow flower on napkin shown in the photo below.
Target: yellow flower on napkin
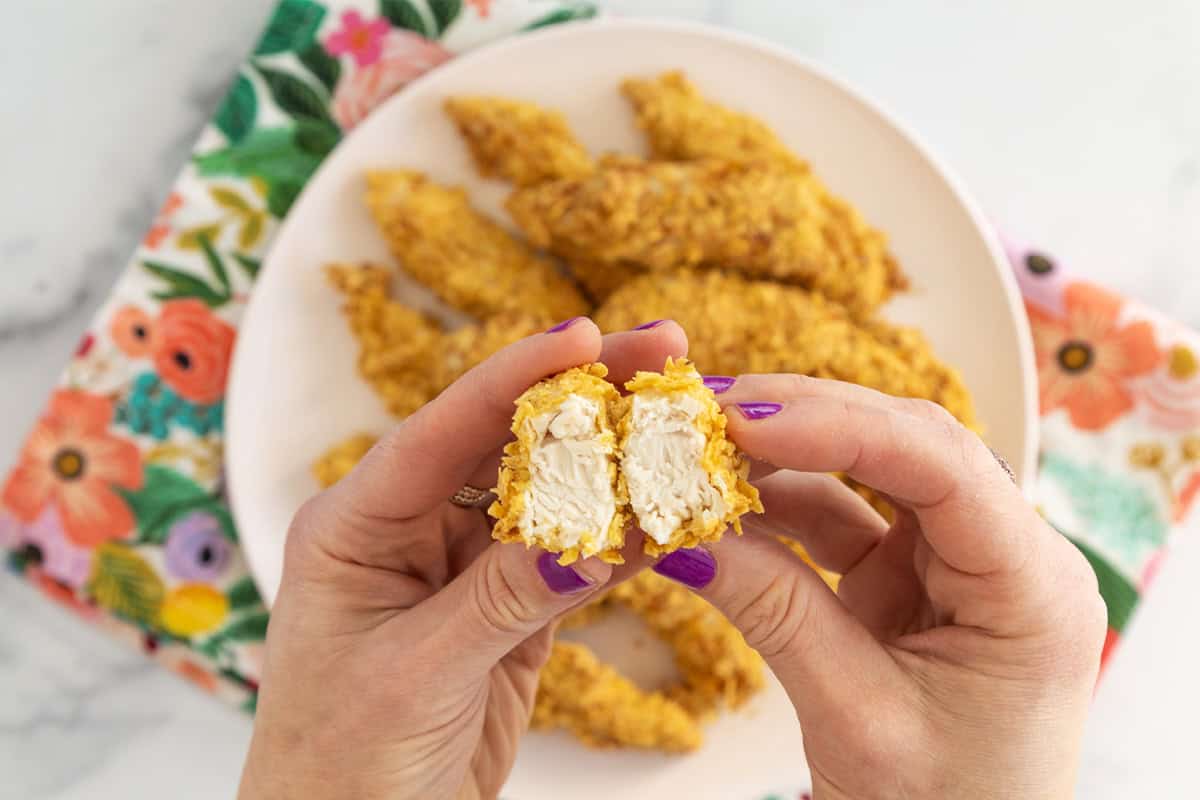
{"x": 192, "y": 609}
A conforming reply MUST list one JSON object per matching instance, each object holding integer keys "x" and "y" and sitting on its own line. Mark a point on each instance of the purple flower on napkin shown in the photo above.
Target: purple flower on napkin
{"x": 197, "y": 549}
{"x": 1039, "y": 276}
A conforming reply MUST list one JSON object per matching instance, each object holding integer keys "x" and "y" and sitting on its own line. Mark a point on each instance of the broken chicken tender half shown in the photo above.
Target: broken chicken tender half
{"x": 559, "y": 488}
{"x": 680, "y": 479}
{"x": 686, "y": 481}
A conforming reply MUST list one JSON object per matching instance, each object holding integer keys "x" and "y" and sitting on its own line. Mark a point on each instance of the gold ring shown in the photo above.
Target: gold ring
{"x": 472, "y": 497}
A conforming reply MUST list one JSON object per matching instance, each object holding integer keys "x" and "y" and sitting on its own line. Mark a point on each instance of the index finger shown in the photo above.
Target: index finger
{"x": 973, "y": 516}
{"x": 430, "y": 455}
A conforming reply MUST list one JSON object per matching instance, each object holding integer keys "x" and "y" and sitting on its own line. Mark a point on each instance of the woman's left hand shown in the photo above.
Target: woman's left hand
{"x": 404, "y": 646}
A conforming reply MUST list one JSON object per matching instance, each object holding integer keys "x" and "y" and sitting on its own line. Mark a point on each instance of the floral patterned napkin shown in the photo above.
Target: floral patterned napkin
{"x": 116, "y": 507}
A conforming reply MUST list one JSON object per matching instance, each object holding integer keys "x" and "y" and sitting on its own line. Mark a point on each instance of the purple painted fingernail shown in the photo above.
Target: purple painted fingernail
{"x": 645, "y": 326}
{"x": 694, "y": 568}
{"x": 562, "y": 326}
{"x": 560, "y": 579}
{"x": 719, "y": 384}
{"x": 759, "y": 410}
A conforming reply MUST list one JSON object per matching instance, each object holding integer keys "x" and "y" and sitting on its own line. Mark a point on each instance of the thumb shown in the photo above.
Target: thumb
{"x": 825, "y": 659}
{"x": 507, "y": 594}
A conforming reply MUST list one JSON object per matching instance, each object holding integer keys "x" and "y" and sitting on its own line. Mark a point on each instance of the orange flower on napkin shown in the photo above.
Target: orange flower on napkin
{"x": 1086, "y": 357}
{"x": 192, "y": 347}
{"x": 73, "y": 461}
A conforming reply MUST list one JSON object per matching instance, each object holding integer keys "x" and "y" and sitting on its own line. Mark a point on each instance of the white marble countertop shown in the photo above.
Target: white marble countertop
{"x": 1076, "y": 125}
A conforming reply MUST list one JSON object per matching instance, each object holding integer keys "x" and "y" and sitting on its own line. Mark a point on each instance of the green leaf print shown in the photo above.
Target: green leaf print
{"x": 444, "y": 13}
{"x": 281, "y": 195}
{"x": 293, "y": 96}
{"x": 165, "y": 496}
{"x": 271, "y": 154}
{"x": 402, "y": 14}
{"x": 249, "y": 265}
{"x": 317, "y": 138}
{"x": 293, "y": 26}
{"x": 215, "y": 264}
{"x": 235, "y": 117}
{"x": 577, "y": 12}
{"x": 125, "y": 584}
{"x": 243, "y": 594}
{"x": 323, "y": 66}
{"x": 251, "y": 628}
{"x": 1119, "y": 594}
{"x": 181, "y": 284}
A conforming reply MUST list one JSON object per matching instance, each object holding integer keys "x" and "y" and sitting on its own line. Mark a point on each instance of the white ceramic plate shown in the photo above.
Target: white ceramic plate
{"x": 294, "y": 389}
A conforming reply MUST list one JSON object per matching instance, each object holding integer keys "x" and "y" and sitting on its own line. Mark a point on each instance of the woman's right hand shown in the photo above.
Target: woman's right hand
{"x": 958, "y": 658}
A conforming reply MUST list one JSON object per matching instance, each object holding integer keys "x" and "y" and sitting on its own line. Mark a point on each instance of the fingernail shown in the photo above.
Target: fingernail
{"x": 645, "y": 326}
{"x": 694, "y": 568}
{"x": 719, "y": 384}
{"x": 562, "y": 326}
{"x": 759, "y": 410}
{"x": 560, "y": 579}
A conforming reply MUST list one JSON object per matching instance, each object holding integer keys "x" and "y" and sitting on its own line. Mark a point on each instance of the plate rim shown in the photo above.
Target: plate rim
{"x": 1026, "y": 469}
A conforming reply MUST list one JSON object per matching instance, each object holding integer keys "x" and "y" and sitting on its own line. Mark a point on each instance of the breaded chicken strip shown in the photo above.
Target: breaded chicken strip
{"x": 520, "y": 142}
{"x": 738, "y": 326}
{"x": 762, "y": 220}
{"x": 406, "y": 357}
{"x": 470, "y": 261}
{"x": 336, "y": 462}
{"x": 603, "y": 709}
{"x": 599, "y": 280}
{"x": 682, "y": 126}
{"x": 716, "y": 666}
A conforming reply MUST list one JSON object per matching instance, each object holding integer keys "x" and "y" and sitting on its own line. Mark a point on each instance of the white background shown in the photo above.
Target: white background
{"x": 1075, "y": 123}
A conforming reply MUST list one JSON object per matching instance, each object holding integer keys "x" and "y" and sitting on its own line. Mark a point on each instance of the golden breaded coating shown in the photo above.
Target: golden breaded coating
{"x": 761, "y": 220}
{"x": 716, "y": 666}
{"x": 405, "y": 357}
{"x": 604, "y": 709}
{"x": 682, "y": 126}
{"x": 738, "y": 326}
{"x": 558, "y": 487}
{"x": 832, "y": 579}
{"x": 671, "y": 419}
{"x": 517, "y": 141}
{"x": 470, "y": 261}
{"x": 599, "y": 280}
{"x": 395, "y": 342}
{"x": 336, "y": 462}
{"x": 462, "y": 349}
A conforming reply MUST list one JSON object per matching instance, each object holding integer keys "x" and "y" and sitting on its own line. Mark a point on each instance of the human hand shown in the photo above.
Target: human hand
{"x": 404, "y": 646}
{"x": 959, "y": 655}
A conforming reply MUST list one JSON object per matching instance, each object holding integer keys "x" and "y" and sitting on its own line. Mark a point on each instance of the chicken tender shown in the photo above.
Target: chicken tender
{"x": 686, "y": 482}
{"x": 336, "y": 462}
{"x": 599, "y": 280}
{"x": 520, "y": 142}
{"x": 559, "y": 487}
{"x": 682, "y": 126}
{"x": 762, "y": 220}
{"x": 716, "y": 666}
{"x": 604, "y": 709}
{"x": 470, "y": 261}
{"x": 406, "y": 357}
{"x": 738, "y": 326}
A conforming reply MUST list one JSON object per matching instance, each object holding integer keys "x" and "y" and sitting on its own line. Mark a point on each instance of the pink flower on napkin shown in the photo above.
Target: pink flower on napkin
{"x": 358, "y": 38}
{"x": 56, "y": 556}
{"x": 405, "y": 57}
{"x": 482, "y": 7}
